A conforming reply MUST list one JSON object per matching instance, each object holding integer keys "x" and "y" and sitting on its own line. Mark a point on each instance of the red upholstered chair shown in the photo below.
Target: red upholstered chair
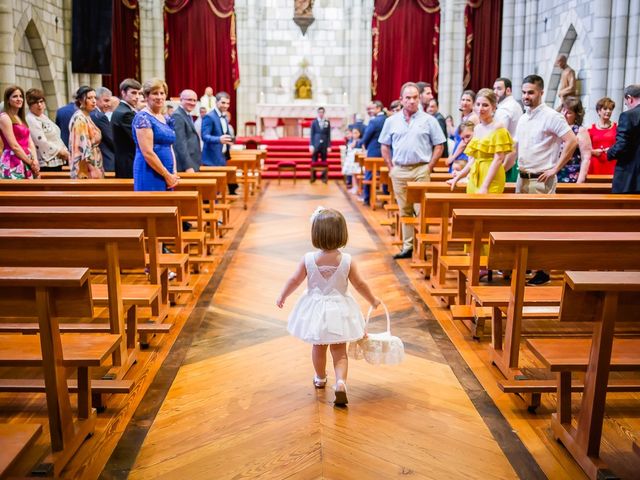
{"x": 251, "y": 145}
{"x": 304, "y": 126}
{"x": 287, "y": 167}
{"x": 250, "y": 129}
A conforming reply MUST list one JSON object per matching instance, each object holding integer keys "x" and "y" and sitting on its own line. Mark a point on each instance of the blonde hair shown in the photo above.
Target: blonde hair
{"x": 467, "y": 125}
{"x": 329, "y": 230}
{"x": 489, "y": 95}
{"x": 154, "y": 84}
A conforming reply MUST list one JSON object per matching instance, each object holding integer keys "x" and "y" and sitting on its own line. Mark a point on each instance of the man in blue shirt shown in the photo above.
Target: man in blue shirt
{"x": 417, "y": 143}
{"x": 370, "y": 140}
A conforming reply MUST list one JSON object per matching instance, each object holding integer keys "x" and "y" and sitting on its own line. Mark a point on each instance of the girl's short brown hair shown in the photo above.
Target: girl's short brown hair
{"x": 329, "y": 230}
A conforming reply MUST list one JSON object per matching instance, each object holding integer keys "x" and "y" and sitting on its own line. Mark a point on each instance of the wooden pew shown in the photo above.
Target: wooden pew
{"x": 156, "y": 222}
{"x": 599, "y": 178}
{"x": 247, "y": 161}
{"x": 110, "y": 250}
{"x": 564, "y": 251}
{"x": 603, "y": 298}
{"x": 477, "y": 223}
{"x": 437, "y": 208}
{"x": 189, "y": 203}
{"x": 15, "y": 440}
{"x": 50, "y": 293}
{"x": 373, "y": 164}
{"x": 417, "y": 190}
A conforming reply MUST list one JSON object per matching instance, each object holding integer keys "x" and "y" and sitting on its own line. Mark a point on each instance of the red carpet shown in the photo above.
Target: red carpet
{"x": 295, "y": 149}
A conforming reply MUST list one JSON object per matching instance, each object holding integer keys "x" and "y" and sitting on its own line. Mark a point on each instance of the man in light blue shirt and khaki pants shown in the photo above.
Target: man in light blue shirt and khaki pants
{"x": 417, "y": 142}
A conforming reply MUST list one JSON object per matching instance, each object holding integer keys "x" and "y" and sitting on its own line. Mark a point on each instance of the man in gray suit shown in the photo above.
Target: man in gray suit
{"x": 187, "y": 146}
{"x": 99, "y": 117}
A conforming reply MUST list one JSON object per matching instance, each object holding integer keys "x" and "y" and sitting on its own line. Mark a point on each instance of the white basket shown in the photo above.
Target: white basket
{"x": 378, "y": 348}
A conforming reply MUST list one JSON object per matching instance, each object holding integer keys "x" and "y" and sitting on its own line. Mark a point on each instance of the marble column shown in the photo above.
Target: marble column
{"x": 618, "y": 50}
{"x": 7, "y": 55}
{"x": 518, "y": 45}
{"x": 600, "y": 53}
{"x": 632, "y": 71}
{"x": 151, "y": 39}
{"x": 452, "y": 40}
{"x": 248, "y": 93}
{"x": 506, "y": 54}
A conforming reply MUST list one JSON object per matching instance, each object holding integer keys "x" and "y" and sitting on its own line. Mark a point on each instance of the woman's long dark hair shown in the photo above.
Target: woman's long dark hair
{"x": 10, "y": 90}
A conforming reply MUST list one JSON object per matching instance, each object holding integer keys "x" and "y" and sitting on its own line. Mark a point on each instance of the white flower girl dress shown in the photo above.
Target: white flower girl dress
{"x": 326, "y": 313}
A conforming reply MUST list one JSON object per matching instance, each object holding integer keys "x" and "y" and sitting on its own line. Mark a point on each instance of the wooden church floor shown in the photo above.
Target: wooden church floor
{"x": 242, "y": 404}
{"x": 228, "y": 394}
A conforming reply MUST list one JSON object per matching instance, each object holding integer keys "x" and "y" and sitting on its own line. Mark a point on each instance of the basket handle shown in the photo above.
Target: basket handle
{"x": 386, "y": 311}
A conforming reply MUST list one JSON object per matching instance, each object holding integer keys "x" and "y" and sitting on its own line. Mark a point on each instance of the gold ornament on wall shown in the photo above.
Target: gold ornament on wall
{"x": 303, "y": 88}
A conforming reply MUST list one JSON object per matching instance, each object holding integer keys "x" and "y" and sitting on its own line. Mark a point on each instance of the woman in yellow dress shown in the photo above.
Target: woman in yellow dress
{"x": 487, "y": 149}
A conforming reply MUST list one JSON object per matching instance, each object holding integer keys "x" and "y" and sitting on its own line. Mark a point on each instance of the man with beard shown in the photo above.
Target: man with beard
{"x": 540, "y": 132}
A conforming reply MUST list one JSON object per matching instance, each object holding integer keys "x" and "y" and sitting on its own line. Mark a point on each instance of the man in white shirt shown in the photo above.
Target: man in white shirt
{"x": 508, "y": 113}
{"x": 540, "y": 132}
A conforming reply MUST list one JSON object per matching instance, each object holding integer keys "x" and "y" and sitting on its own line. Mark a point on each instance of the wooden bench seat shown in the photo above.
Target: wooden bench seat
{"x": 496, "y": 296}
{"x": 15, "y": 439}
{"x": 533, "y": 386}
{"x": 77, "y": 350}
{"x": 459, "y": 262}
{"x": 572, "y": 354}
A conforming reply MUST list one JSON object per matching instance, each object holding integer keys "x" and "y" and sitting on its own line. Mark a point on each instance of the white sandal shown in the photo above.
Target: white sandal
{"x": 341, "y": 395}
{"x": 319, "y": 382}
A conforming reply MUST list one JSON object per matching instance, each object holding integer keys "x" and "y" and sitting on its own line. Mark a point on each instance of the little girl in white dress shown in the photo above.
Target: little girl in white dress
{"x": 326, "y": 315}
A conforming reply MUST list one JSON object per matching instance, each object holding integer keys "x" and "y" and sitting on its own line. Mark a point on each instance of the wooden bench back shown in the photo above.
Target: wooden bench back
{"x": 566, "y": 250}
{"x": 71, "y": 295}
{"x": 583, "y": 295}
{"x": 441, "y": 205}
{"x": 70, "y": 248}
{"x": 164, "y": 219}
{"x": 188, "y": 203}
{"x": 206, "y": 185}
{"x": 415, "y": 190}
{"x": 468, "y": 222}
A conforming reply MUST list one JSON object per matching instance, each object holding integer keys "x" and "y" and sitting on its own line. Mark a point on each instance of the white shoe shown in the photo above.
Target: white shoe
{"x": 319, "y": 382}
{"x": 172, "y": 275}
{"x": 341, "y": 393}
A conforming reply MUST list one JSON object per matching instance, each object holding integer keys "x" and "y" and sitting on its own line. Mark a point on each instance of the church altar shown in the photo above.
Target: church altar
{"x": 293, "y": 113}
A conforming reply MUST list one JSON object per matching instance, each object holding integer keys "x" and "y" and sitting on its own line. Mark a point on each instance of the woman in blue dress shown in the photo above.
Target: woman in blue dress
{"x": 154, "y": 166}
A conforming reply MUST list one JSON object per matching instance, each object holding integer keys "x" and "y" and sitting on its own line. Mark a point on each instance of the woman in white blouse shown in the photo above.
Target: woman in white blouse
{"x": 52, "y": 152}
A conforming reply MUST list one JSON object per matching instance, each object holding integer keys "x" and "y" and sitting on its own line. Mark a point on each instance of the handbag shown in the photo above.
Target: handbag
{"x": 378, "y": 348}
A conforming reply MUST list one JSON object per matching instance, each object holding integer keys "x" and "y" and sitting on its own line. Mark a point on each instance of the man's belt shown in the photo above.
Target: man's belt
{"x": 412, "y": 165}
{"x": 529, "y": 175}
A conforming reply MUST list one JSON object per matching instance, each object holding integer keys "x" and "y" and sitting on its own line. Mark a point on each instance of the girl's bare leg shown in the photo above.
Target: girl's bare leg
{"x": 319, "y": 358}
